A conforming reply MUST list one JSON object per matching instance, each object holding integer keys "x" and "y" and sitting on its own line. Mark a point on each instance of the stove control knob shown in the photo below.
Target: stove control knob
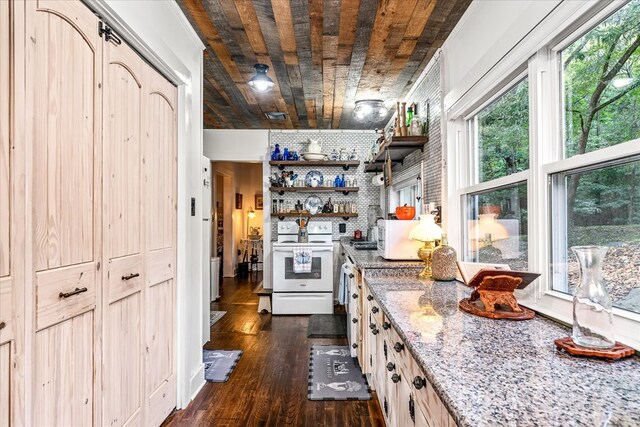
{"x": 354, "y": 320}
{"x": 374, "y": 310}
{"x": 369, "y": 298}
{"x": 398, "y": 347}
{"x": 354, "y": 296}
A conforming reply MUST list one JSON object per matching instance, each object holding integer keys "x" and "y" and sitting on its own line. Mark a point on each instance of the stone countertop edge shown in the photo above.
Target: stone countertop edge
{"x": 370, "y": 258}
{"x": 536, "y": 408}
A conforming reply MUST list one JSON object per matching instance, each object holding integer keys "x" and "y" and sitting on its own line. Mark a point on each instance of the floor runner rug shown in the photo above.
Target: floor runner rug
{"x": 327, "y": 326}
{"x": 335, "y": 375}
{"x": 214, "y": 316}
{"x": 219, "y": 364}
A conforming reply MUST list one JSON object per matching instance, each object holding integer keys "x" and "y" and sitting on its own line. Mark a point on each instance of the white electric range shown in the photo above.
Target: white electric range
{"x": 303, "y": 293}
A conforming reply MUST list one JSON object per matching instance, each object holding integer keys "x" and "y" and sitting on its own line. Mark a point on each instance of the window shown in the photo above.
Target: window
{"x": 601, "y": 206}
{"x": 552, "y": 161}
{"x": 497, "y": 227}
{"x": 502, "y": 134}
{"x": 601, "y": 76}
{"x": 495, "y": 230}
{"x": 407, "y": 193}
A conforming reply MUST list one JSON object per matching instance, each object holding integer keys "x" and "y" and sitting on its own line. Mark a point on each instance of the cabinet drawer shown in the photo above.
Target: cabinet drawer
{"x": 6, "y": 311}
{"x": 125, "y": 277}
{"x": 64, "y": 293}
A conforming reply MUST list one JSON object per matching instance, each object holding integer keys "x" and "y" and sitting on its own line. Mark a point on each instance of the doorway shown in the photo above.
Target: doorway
{"x": 238, "y": 218}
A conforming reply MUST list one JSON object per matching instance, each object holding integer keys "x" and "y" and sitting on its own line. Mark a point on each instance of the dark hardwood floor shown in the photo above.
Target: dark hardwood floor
{"x": 269, "y": 385}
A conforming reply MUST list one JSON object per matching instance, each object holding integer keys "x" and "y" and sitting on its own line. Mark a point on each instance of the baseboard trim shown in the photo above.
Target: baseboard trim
{"x": 197, "y": 382}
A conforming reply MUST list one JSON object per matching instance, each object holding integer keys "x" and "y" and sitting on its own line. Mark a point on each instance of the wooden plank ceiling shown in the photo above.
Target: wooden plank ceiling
{"x": 323, "y": 55}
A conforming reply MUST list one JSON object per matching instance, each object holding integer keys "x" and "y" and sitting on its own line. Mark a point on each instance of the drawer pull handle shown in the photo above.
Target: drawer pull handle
{"x": 374, "y": 331}
{"x": 2, "y": 325}
{"x": 351, "y": 276}
{"x": 419, "y": 382}
{"x": 398, "y": 347}
{"x": 369, "y": 298}
{"x": 391, "y": 366}
{"x": 375, "y": 310}
{"x": 354, "y": 295}
{"x": 386, "y": 325}
{"x": 72, "y": 293}
{"x": 354, "y": 345}
{"x": 395, "y": 378}
{"x": 131, "y": 276}
{"x": 354, "y": 320}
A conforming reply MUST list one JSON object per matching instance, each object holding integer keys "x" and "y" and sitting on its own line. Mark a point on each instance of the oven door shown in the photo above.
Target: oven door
{"x": 320, "y": 279}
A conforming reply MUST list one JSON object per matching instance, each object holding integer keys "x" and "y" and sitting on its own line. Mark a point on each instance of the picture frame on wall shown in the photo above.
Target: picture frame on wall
{"x": 258, "y": 201}
{"x": 238, "y": 201}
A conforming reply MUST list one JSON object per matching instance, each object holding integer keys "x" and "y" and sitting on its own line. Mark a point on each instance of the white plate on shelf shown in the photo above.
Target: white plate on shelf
{"x": 314, "y": 178}
{"x": 313, "y": 204}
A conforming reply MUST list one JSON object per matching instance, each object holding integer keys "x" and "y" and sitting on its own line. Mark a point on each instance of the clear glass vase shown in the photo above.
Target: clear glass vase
{"x": 592, "y": 308}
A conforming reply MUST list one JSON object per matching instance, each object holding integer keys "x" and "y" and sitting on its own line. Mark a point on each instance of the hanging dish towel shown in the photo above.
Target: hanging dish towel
{"x": 302, "y": 260}
{"x": 345, "y": 283}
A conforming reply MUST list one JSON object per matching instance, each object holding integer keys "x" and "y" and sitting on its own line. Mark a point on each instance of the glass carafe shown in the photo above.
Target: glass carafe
{"x": 592, "y": 308}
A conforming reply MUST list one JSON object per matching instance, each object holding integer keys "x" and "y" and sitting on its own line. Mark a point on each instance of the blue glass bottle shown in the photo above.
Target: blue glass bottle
{"x": 275, "y": 155}
{"x": 336, "y": 182}
{"x": 342, "y": 181}
{"x": 285, "y": 154}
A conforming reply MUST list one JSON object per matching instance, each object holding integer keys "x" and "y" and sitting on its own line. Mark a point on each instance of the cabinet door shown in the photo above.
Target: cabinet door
{"x": 123, "y": 236}
{"x": 160, "y": 190}
{"x": 5, "y": 384}
{"x": 63, "y": 107}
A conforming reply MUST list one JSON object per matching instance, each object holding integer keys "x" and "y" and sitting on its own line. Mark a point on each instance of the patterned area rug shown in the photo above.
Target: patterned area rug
{"x": 218, "y": 364}
{"x": 334, "y": 375}
{"x": 327, "y": 326}
{"x": 215, "y": 316}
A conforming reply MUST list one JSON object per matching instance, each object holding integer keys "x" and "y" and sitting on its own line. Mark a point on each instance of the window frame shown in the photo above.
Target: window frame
{"x": 543, "y": 68}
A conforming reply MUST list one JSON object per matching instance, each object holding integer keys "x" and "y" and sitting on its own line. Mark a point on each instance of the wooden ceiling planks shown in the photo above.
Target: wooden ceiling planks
{"x": 323, "y": 55}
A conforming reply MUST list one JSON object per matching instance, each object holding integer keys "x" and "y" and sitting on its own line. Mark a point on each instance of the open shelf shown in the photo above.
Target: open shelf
{"x": 344, "y": 216}
{"x": 346, "y": 164}
{"x": 399, "y": 147}
{"x": 343, "y": 190}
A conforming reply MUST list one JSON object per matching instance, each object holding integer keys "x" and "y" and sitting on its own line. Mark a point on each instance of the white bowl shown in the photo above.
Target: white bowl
{"x": 313, "y": 156}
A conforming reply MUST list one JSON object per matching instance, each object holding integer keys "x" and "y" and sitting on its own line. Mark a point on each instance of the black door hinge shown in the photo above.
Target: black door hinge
{"x": 109, "y": 35}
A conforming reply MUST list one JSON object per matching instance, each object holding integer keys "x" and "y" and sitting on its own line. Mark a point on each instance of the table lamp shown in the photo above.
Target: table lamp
{"x": 488, "y": 230}
{"x": 426, "y": 231}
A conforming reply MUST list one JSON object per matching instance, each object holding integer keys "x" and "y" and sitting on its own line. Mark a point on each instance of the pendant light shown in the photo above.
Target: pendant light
{"x": 261, "y": 82}
{"x": 369, "y": 110}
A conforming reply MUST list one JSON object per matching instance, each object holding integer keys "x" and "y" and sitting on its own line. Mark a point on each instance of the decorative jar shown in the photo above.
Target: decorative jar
{"x": 592, "y": 307}
{"x": 443, "y": 261}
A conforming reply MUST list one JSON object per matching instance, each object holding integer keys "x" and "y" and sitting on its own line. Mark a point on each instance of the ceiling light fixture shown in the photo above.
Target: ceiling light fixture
{"x": 369, "y": 110}
{"x": 261, "y": 82}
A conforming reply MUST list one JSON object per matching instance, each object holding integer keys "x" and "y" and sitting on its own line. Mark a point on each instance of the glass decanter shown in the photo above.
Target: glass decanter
{"x": 592, "y": 308}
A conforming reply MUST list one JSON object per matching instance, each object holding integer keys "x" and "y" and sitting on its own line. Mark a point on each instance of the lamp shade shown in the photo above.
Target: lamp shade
{"x": 251, "y": 213}
{"x": 426, "y": 229}
{"x": 487, "y": 224}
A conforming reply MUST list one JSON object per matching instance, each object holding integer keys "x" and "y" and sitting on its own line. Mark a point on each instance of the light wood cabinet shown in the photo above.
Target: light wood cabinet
{"x": 64, "y": 125}
{"x": 123, "y": 242}
{"x": 5, "y": 384}
{"x": 87, "y": 224}
{"x": 405, "y": 395}
{"x": 160, "y": 293}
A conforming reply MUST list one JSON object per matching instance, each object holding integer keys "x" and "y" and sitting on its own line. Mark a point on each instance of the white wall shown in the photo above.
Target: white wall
{"x": 236, "y": 145}
{"x": 161, "y": 33}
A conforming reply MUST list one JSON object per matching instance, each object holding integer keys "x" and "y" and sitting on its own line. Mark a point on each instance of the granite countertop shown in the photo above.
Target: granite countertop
{"x": 505, "y": 373}
{"x": 371, "y": 259}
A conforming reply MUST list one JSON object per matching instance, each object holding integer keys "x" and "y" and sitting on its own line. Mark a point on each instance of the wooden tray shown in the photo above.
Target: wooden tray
{"x": 617, "y": 352}
{"x": 477, "y": 308}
